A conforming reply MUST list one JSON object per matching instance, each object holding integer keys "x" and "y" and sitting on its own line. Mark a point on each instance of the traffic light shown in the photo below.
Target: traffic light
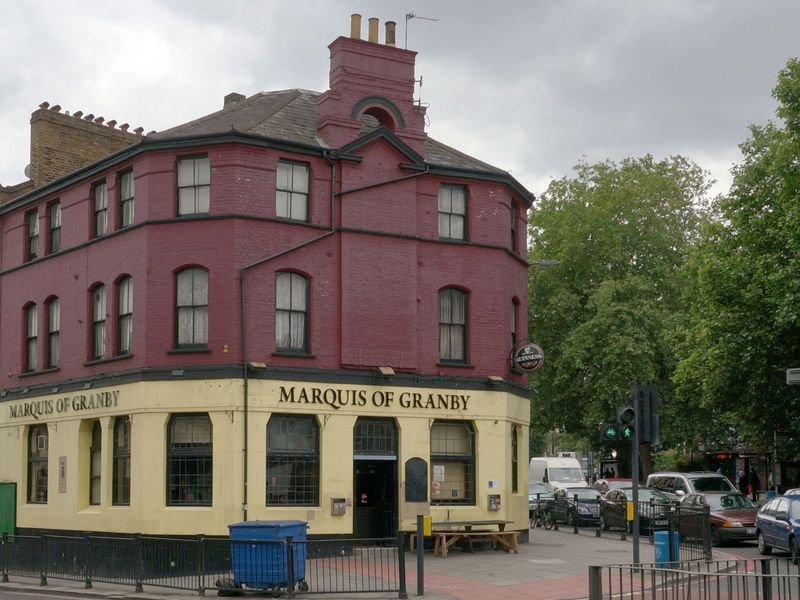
{"x": 609, "y": 432}
{"x": 626, "y": 432}
{"x": 626, "y": 421}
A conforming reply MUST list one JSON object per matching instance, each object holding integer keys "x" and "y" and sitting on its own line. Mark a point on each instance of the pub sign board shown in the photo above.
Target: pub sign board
{"x": 528, "y": 357}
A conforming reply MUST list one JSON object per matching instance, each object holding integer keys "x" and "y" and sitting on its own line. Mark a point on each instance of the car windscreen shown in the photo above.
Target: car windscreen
{"x": 582, "y": 493}
{"x": 712, "y": 484}
{"x": 566, "y": 475}
{"x": 534, "y": 487}
{"x": 729, "y": 502}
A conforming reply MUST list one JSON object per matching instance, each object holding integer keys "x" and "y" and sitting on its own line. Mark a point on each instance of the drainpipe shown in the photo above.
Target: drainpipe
{"x": 245, "y": 359}
{"x": 243, "y": 291}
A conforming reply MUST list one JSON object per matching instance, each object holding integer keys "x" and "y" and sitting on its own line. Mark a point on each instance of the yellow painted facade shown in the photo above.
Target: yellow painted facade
{"x": 70, "y": 417}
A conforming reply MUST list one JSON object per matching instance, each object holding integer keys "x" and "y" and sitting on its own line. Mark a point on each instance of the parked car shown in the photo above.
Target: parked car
{"x": 565, "y": 509}
{"x": 677, "y": 485}
{"x": 792, "y": 492}
{"x": 653, "y": 507}
{"x": 732, "y": 515}
{"x": 778, "y": 526}
{"x": 611, "y": 483}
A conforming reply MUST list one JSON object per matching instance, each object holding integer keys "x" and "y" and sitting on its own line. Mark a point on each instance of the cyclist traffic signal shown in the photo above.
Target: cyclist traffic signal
{"x": 608, "y": 432}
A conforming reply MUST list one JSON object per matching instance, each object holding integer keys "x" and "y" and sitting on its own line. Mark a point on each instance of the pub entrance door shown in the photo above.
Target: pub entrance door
{"x": 374, "y": 478}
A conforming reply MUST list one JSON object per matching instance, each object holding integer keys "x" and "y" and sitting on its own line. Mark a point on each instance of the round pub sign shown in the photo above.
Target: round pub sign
{"x": 528, "y": 357}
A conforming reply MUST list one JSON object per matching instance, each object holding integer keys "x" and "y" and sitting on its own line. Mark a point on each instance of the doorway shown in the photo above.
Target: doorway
{"x": 374, "y": 478}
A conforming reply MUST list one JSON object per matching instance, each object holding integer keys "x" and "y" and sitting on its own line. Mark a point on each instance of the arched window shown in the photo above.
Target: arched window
{"x": 53, "y": 332}
{"x": 95, "y": 457}
{"x": 514, "y": 320}
{"x": 192, "y": 308}
{"x": 189, "y": 460}
{"x": 292, "y": 461}
{"x": 291, "y": 312}
{"x": 124, "y": 315}
{"x": 453, "y": 462}
{"x": 98, "y": 297}
{"x": 31, "y": 337}
{"x": 37, "y": 464}
{"x": 452, "y": 325}
{"x": 121, "y": 493}
{"x": 374, "y": 437}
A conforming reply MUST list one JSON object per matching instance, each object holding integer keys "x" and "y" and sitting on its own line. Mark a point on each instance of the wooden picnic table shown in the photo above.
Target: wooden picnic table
{"x": 447, "y": 533}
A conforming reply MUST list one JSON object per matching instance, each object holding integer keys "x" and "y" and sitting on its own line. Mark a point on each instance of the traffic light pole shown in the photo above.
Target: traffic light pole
{"x": 635, "y": 480}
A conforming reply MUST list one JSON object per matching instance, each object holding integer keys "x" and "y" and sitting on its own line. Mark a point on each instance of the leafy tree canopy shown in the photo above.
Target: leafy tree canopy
{"x": 605, "y": 314}
{"x": 744, "y": 290}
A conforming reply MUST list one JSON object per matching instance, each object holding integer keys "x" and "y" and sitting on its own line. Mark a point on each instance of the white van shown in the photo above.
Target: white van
{"x": 557, "y": 472}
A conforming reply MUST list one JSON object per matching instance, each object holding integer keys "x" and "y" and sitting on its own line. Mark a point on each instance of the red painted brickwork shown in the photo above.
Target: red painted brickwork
{"x": 374, "y": 278}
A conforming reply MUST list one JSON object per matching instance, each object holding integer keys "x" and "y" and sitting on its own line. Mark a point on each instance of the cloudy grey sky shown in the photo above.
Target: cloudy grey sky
{"x": 531, "y": 86}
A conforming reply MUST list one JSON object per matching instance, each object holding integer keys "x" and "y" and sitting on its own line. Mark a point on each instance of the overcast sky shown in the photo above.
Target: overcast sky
{"x": 530, "y": 86}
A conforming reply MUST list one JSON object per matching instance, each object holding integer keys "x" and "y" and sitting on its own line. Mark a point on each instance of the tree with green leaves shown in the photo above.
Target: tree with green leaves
{"x": 744, "y": 326}
{"x": 606, "y": 314}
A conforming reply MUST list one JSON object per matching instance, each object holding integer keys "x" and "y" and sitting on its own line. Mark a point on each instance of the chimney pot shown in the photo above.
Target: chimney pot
{"x": 138, "y": 131}
{"x": 391, "y": 26}
{"x": 112, "y": 123}
{"x": 56, "y": 107}
{"x": 44, "y": 104}
{"x": 89, "y": 117}
{"x": 373, "y": 30}
{"x": 124, "y": 127}
{"x": 77, "y": 114}
{"x": 99, "y": 120}
{"x": 355, "y": 26}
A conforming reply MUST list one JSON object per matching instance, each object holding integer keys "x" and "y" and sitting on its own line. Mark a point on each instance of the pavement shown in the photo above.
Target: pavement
{"x": 553, "y": 565}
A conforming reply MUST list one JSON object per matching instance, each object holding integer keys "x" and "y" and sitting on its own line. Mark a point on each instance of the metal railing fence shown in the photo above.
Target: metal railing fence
{"x": 282, "y": 567}
{"x": 759, "y": 579}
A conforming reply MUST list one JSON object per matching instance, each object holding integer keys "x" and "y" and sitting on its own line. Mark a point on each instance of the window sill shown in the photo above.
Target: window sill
{"x": 290, "y": 354}
{"x": 185, "y": 506}
{"x": 190, "y": 350}
{"x": 457, "y": 365}
{"x": 110, "y": 359}
{"x": 27, "y": 374}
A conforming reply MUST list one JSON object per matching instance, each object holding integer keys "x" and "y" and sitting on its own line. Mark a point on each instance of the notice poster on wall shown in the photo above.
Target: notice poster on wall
{"x": 438, "y": 473}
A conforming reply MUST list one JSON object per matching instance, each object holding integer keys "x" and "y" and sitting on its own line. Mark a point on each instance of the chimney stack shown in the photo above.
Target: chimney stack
{"x": 373, "y": 30}
{"x": 355, "y": 26}
{"x": 390, "y": 30}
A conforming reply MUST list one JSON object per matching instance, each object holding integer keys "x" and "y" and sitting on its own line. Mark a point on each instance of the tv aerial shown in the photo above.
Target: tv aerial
{"x": 412, "y": 15}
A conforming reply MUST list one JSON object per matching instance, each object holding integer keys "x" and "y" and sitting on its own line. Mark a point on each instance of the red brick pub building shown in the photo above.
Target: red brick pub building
{"x": 297, "y": 307}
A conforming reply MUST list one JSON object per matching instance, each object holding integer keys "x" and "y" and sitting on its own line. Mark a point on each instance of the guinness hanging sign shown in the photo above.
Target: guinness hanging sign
{"x": 528, "y": 358}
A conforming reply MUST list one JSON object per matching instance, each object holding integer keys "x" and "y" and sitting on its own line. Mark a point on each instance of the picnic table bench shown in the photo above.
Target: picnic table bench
{"x": 447, "y": 533}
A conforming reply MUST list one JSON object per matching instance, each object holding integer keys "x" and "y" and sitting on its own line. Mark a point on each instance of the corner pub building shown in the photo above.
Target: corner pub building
{"x": 297, "y": 307}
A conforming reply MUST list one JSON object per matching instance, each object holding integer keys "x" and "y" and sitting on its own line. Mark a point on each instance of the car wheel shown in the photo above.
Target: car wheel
{"x": 763, "y": 548}
{"x": 716, "y": 539}
{"x": 603, "y": 522}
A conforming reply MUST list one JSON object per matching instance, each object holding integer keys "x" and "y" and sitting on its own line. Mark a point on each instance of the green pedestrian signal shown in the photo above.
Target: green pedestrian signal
{"x": 626, "y": 432}
{"x": 609, "y": 431}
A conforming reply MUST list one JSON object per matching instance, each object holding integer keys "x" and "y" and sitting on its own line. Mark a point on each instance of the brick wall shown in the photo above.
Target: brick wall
{"x": 62, "y": 143}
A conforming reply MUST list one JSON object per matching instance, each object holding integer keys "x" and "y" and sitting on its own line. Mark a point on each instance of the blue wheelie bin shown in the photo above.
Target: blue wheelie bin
{"x": 259, "y": 557}
{"x": 662, "y": 547}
